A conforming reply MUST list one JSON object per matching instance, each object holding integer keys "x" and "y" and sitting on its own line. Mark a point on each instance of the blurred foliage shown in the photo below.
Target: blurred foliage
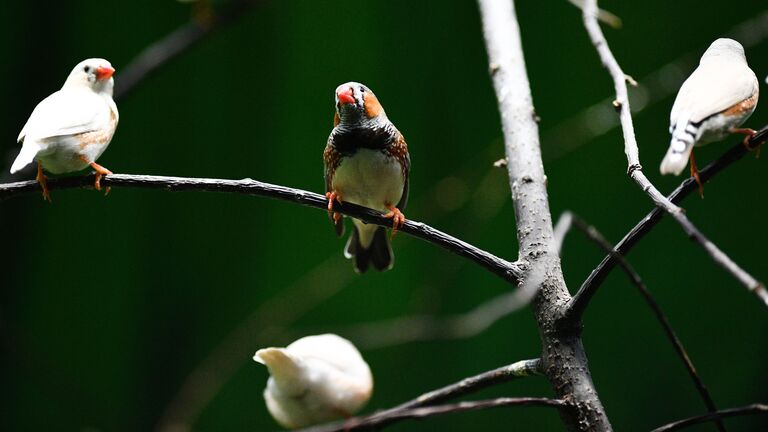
{"x": 108, "y": 304}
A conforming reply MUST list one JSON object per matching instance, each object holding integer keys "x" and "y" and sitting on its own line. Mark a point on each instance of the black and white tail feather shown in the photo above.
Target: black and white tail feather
{"x": 378, "y": 253}
{"x": 685, "y": 133}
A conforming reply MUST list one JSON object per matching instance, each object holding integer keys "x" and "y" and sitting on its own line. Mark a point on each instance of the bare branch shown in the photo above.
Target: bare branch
{"x": 159, "y": 53}
{"x": 633, "y": 158}
{"x": 509, "y": 271}
{"x": 376, "y": 421}
{"x": 588, "y": 289}
{"x": 565, "y": 362}
{"x": 593, "y": 234}
{"x": 730, "y": 412}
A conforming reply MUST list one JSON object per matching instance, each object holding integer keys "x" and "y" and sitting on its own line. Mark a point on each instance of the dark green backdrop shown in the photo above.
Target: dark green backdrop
{"x": 108, "y": 304}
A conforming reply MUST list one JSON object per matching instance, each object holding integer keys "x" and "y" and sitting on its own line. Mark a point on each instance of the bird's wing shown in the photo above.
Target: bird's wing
{"x": 65, "y": 112}
{"x": 331, "y": 158}
{"x": 713, "y": 88}
{"x": 401, "y": 152}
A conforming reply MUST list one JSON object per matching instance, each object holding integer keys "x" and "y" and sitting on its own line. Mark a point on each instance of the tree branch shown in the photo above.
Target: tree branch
{"x": 159, "y": 53}
{"x": 594, "y": 235}
{"x": 589, "y": 287}
{"x": 509, "y": 271}
{"x": 377, "y": 421}
{"x": 730, "y": 412}
{"x": 635, "y": 169}
{"x": 563, "y": 357}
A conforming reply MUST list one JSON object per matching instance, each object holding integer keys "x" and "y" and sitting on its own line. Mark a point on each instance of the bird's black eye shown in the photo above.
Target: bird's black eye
{"x": 87, "y": 69}
{"x": 362, "y": 89}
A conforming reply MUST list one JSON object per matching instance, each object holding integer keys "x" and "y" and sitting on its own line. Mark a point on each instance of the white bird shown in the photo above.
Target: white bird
{"x": 314, "y": 380}
{"x": 71, "y": 128}
{"x": 717, "y": 98}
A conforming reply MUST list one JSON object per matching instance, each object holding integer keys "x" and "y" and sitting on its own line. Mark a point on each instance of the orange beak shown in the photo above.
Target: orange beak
{"x": 345, "y": 95}
{"x": 104, "y": 72}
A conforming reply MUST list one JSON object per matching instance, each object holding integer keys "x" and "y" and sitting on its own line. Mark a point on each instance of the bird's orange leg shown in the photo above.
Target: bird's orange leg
{"x": 333, "y": 197}
{"x": 100, "y": 172}
{"x": 398, "y": 219}
{"x": 749, "y": 134}
{"x": 695, "y": 174}
{"x": 43, "y": 182}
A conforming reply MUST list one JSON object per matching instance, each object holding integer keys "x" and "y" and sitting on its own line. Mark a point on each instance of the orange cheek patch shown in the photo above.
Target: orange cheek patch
{"x": 372, "y": 106}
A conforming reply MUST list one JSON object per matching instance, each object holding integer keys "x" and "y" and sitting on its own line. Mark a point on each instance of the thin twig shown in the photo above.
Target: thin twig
{"x": 594, "y": 235}
{"x": 589, "y": 287}
{"x": 159, "y": 53}
{"x": 509, "y": 271}
{"x": 376, "y": 421}
{"x": 730, "y": 412}
{"x": 633, "y": 159}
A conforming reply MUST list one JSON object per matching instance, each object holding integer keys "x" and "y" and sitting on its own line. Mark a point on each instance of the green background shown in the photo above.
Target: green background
{"x": 109, "y": 304}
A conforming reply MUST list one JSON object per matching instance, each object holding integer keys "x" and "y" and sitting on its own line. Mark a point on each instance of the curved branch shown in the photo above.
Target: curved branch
{"x": 588, "y": 289}
{"x": 377, "y": 421}
{"x": 730, "y": 412}
{"x": 159, "y": 53}
{"x": 509, "y": 271}
{"x": 594, "y": 235}
{"x": 577, "y": 305}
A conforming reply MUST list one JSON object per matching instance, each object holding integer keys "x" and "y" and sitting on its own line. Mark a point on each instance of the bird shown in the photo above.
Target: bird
{"x": 366, "y": 163}
{"x": 314, "y": 380}
{"x": 71, "y": 128}
{"x": 712, "y": 103}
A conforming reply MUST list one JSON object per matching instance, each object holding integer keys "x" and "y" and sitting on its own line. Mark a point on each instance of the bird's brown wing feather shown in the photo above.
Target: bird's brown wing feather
{"x": 399, "y": 150}
{"x": 331, "y": 159}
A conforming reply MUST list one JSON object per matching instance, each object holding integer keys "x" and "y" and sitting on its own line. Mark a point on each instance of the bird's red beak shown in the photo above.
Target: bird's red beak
{"x": 104, "y": 72}
{"x": 345, "y": 95}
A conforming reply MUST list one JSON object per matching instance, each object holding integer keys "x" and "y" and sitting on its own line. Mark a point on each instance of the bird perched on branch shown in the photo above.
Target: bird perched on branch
{"x": 713, "y": 102}
{"x": 314, "y": 380}
{"x": 366, "y": 163}
{"x": 71, "y": 128}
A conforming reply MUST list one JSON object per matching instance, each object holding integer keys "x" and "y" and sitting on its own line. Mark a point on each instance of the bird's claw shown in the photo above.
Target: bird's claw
{"x": 43, "y": 183}
{"x": 749, "y": 133}
{"x": 398, "y": 219}
{"x": 332, "y": 198}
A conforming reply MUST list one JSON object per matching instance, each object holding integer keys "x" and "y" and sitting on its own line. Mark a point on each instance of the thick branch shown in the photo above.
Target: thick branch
{"x": 377, "y": 421}
{"x": 633, "y": 158}
{"x": 159, "y": 53}
{"x": 588, "y": 289}
{"x": 509, "y": 271}
{"x": 593, "y": 234}
{"x": 563, "y": 357}
{"x": 730, "y": 412}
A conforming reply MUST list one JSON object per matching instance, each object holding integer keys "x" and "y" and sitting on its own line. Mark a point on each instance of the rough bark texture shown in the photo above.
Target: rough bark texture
{"x": 563, "y": 357}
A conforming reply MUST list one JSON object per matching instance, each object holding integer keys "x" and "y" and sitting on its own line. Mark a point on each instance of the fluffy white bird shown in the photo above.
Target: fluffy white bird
{"x": 315, "y": 379}
{"x": 72, "y": 127}
{"x": 718, "y": 97}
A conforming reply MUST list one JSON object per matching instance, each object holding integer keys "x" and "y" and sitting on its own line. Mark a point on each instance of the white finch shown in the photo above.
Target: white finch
{"x": 314, "y": 380}
{"x": 718, "y": 97}
{"x": 72, "y": 127}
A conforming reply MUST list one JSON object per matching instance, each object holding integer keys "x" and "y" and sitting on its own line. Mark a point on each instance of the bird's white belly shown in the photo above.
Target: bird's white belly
{"x": 65, "y": 153}
{"x": 718, "y": 127}
{"x": 369, "y": 178}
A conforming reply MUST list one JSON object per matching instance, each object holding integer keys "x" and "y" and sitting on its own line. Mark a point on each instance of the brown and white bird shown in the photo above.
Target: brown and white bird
{"x": 712, "y": 103}
{"x": 366, "y": 163}
{"x": 71, "y": 128}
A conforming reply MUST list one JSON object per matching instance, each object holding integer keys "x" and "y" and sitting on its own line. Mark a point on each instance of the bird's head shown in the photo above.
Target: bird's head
{"x": 724, "y": 48}
{"x": 95, "y": 73}
{"x": 356, "y": 103}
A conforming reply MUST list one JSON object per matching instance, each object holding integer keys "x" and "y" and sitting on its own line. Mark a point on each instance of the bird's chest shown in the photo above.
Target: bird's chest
{"x": 370, "y": 178}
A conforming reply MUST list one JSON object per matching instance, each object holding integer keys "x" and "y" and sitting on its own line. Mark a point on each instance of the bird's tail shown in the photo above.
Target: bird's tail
{"x": 27, "y": 154}
{"x": 683, "y": 138}
{"x": 285, "y": 368}
{"x": 366, "y": 250}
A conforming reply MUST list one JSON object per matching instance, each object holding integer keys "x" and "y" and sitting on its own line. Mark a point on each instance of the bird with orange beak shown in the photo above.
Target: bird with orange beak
{"x": 71, "y": 128}
{"x": 366, "y": 163}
